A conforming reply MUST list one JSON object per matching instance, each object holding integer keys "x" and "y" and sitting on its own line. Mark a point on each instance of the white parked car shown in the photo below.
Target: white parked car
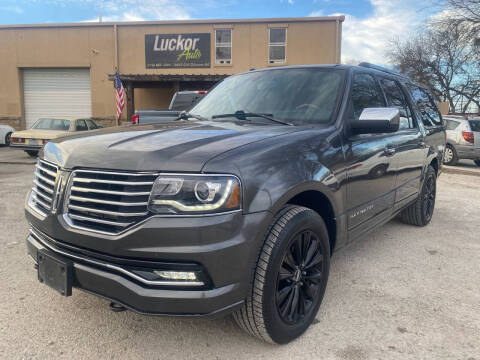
{"x": 5, "y": 133}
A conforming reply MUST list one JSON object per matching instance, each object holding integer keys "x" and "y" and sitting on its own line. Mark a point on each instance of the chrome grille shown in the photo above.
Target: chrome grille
{"x": 108, "y": 201}
{"x": 44, "y": 185}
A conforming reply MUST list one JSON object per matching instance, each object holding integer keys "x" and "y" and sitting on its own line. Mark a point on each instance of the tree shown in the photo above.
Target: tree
{"x": 444, "y": 59}
{"x": 463, "y": 13}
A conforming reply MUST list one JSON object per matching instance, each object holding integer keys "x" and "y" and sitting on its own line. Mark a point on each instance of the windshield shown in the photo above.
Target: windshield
{"x": 294, "y": 95}
{"x": 475, "y": 125}
{"x": 52, "y": 124}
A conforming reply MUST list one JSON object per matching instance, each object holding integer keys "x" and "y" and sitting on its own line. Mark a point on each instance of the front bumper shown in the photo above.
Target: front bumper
{"x": 226, "y": 264}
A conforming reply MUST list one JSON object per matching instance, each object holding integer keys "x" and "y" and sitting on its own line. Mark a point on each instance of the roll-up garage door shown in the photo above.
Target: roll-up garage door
{"x": 56, "y": 92}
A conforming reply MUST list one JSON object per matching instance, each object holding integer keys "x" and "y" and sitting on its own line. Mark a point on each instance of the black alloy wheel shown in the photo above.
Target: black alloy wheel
{"x": 299, "y": 278}
{"x": 420, "y": 212}
{"x": 290, "y": 277}
{"x": 429, "y": 197}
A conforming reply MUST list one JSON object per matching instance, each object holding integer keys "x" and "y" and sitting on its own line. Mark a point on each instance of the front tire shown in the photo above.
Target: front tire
{"x": 421, "y": 211}
{"x": 450, "y": 156}
{"x": 7, "y": 139}
{"x": 32, "y": 153}
{"x": 290, "y": 277}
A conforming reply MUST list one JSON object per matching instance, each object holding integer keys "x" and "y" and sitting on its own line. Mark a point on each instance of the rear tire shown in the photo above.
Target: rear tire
{"x": 421, "y": 211}
{"x": 32, "y": 153}
{"x": 450, "y": 156}
{"x": 290, "y": 277}
{"x": 477, "y": 162}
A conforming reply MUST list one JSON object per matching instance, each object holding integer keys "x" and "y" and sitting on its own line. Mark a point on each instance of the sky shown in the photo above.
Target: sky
{"x": 369, "y": 24}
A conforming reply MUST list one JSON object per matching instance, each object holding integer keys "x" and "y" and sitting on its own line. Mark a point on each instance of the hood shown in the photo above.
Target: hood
{"x": 40, "y": 134}
{"x": 182, "y": 146}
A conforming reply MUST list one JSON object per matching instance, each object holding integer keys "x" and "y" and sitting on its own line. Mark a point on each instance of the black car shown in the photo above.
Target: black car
{"x": 238, "y": 206}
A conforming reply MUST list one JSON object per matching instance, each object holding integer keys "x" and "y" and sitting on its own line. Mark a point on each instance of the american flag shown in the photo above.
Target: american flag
{"x": 119, "y": 95}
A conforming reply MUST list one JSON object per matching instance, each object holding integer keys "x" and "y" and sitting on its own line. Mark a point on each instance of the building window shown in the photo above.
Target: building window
{"x": 223, "y": 46}
{"x": 277, "y": 45}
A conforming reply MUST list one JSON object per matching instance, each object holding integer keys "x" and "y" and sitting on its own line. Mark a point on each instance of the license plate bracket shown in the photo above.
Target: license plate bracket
{"x": 56, "y": 273}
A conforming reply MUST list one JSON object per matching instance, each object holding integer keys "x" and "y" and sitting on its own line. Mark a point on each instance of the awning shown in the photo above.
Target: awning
{"x": 169, "y": 77}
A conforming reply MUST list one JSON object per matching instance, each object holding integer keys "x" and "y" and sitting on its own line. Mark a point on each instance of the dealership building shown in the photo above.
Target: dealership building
{"x": 67, "y": 69}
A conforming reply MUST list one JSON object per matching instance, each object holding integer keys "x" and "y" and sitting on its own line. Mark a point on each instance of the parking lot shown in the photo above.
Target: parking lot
{"x": 402, "y": 293}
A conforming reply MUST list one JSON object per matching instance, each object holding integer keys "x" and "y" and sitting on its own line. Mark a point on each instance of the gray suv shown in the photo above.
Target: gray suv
{"x": 237, "y": 206}
{"x": 463, "y": 140}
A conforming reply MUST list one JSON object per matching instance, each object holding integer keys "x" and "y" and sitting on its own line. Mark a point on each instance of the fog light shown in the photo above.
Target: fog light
{"x": 176, "y": 275}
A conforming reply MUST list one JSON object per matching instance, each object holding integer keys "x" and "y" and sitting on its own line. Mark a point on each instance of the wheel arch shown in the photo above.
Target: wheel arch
{"x": 434, "y": 164}
{"x": 318, "y": 201}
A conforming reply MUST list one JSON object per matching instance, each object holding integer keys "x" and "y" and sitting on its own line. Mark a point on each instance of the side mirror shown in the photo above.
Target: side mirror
{"x": 99, "y": 127}
{"x": 377, "y": 121}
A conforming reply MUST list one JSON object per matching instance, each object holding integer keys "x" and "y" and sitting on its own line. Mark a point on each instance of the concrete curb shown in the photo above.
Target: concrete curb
{"x": 452, "y": 170}
{"x": 17, "y": 163}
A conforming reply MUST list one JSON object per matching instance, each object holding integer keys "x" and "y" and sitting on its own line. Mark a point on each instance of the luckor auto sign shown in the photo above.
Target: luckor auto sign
{"x": 177, "y": 51}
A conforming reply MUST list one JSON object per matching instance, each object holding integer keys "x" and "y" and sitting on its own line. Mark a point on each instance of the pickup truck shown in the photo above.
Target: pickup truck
{"x": 181, "y": 101}
{"x": 237, "y": 207}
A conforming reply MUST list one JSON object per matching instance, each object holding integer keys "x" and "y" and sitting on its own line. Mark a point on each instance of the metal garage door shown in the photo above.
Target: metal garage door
{"x": 56, "y": 92}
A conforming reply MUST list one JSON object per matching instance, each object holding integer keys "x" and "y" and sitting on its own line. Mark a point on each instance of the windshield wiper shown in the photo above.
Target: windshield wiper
{"x": 242, "y": 115}
{"x": 185, "y": 115}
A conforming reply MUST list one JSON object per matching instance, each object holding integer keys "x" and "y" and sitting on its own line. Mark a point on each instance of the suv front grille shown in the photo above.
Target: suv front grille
{"x": 44, "y": 185}
{"x": 108, "y": 201}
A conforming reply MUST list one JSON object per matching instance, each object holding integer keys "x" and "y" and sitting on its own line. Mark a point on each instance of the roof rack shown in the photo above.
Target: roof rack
{"x": 381, "y": 68}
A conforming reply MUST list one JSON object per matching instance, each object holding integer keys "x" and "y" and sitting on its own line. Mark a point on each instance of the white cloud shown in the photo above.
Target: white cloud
{"x": 137, "y": 10}
{"x": 317, "y": 13}
{"x": 12, "y": 8}
{"x": 367, "y": 39}
{"x": 133, "y": 10}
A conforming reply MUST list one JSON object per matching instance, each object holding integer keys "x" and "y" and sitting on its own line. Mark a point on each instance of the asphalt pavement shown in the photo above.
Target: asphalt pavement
{"x": 402, "y": 293}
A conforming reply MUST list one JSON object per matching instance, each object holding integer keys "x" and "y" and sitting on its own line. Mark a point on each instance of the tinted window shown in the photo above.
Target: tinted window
{"x": 296, "y": 95}
{"x": 91, "y": 124}
{"x": 425, "y": 106}
{"x": 81, "y": 125}
{"x": 52, "y": 124}
{"x": 364, "y": 94}
{"x": 474, "y": 125}
{"x": 396, "y": 98}
{"x": 452, "y": 125}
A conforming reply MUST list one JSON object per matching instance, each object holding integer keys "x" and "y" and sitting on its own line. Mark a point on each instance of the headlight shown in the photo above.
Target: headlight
{"x": 189, "y": 194}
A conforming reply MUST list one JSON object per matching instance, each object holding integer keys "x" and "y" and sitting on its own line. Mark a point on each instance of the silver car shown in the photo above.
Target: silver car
{"x": 463, "y": 140}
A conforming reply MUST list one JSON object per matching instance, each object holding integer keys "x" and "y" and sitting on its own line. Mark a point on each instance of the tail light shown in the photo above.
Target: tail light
{"x": 201, "y": 92}
{"x": 135, "y": 118}
{"x": 468, "y": 136}
{"x": 17, "y": 140}
{"x": 45, "y": 141}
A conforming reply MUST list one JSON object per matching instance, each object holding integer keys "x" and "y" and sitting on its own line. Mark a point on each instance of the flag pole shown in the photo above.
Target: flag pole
{"x": 117, "y": 120}
{"x": 120, "y": 95}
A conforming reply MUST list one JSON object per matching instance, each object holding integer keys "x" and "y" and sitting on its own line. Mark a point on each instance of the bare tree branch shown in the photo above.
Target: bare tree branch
{"x": 443, "y": 58}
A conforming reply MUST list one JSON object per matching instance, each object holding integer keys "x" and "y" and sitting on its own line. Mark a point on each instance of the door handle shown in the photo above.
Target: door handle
{"x": 389, "y": 151}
